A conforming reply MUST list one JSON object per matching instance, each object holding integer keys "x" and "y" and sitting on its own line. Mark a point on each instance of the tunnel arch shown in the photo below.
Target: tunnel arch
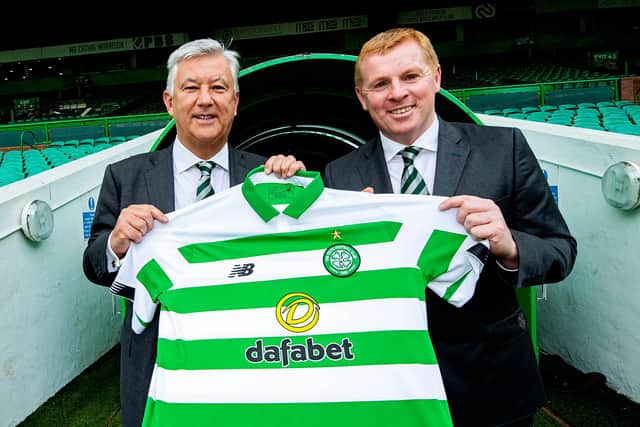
{"x": 305, "y": 105}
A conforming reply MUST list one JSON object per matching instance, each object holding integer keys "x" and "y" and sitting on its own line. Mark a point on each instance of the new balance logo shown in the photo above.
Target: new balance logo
{"x": 241, "y": 270}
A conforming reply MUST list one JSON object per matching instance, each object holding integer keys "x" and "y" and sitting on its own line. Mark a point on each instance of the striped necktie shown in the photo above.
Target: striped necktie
{"x": 204, "y": 188}
{"x": 411, "y": 182}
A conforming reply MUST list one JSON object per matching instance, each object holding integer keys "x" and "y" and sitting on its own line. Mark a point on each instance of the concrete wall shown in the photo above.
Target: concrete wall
{"x": 592, "y": 319}
{"x": 54, "y": 323}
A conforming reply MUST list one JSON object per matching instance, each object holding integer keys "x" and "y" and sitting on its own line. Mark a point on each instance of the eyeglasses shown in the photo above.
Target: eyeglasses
{"x": 384, "y": 85}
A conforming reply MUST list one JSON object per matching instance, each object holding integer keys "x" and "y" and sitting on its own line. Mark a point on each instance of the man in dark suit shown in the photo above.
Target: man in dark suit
{"x": 202, "y": 96}
{"x": 485, "y": 354}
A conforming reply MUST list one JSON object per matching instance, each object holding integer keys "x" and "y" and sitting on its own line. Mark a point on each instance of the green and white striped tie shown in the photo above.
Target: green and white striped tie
{"x": 411, "y": 182}
{"x": 205, "y": 189}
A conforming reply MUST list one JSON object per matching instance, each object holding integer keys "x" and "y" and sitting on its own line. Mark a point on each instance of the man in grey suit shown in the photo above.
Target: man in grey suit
{"x": 486, "y": 357}
{"x": 202, "y": 95}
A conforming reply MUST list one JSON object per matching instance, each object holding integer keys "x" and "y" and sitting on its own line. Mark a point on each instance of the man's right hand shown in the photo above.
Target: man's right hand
{"x": 133, "y": 223}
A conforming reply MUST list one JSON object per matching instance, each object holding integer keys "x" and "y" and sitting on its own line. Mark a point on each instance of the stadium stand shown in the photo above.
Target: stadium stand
{"x": 619, "y": 116}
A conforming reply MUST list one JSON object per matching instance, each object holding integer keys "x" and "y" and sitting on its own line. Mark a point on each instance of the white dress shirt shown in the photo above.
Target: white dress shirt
{"x": 425, "y": 161}
{"x": 186, "y": 174}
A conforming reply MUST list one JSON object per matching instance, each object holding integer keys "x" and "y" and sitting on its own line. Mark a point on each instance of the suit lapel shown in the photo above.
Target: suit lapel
{"x": 238, "y": 168}
{"x": 373, "y": 170}
{"x": 159, "y": 179}
{"x": 452, "y": 155}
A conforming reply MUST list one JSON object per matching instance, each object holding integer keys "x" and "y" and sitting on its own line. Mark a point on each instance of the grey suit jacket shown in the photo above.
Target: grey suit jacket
{"x": 143, "y": 179}
{"x": 485, "y": 355}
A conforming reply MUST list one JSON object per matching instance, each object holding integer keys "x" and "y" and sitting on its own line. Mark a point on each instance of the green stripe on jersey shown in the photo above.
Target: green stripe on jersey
{"x": 437, "y": 254}
{"x": 154, "y": 279}
{"x": 365, "y": 348}
{"x": 375, "y": 284}
{"x": 307, "y": 240}
{"x": 454, "y": 287}
{"x": 404, "y": 413}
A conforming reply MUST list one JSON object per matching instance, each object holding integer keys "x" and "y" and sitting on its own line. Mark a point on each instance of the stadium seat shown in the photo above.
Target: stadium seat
{"x": 508, "y": 111}
{"x": 628, "y": 129}
{"x": 566, "y": 121}
{"x": 86, "y": 141}
{"x": 605, "y": 104}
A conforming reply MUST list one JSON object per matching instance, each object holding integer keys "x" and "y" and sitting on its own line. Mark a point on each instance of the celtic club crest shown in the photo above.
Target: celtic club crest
{"x": 341, "y": 260}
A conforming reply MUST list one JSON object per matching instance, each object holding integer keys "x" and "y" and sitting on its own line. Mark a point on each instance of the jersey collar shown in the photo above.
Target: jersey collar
{"x": 310, "y": 182}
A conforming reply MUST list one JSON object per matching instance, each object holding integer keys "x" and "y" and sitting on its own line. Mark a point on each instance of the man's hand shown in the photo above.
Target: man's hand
{"x": 483, "y": 220}
{"x": 283, "y": 166}
{"x": 133, "y": 223}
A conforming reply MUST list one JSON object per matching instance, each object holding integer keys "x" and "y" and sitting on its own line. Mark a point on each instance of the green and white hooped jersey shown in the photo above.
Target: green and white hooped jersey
{"x": 313, "y": 316}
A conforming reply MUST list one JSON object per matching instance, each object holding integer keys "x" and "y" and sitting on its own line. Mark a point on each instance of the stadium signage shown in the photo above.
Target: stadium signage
{"x": 293, "y": 28}
{"x": 104, "y": 46}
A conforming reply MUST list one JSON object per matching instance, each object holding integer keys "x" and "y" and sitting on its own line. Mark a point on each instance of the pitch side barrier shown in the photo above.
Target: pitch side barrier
{"x": 41, "y": 134}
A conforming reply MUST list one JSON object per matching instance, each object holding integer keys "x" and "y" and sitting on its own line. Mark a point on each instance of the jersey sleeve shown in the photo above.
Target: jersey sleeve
{"x": 151, "y": 282}
{"x": 142, "y": 280}
{"x": 451, "y": 263}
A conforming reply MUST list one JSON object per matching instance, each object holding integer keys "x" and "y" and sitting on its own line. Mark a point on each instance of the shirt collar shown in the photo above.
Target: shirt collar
{"x": 428, "y": 141}
{"x": 184, "y": 159}
{"x": 310, "y": 182}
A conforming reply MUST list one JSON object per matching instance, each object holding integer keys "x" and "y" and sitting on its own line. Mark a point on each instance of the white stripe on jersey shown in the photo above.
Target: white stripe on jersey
{"x": 339, "y": 384}
{"x": 356, "y": 316}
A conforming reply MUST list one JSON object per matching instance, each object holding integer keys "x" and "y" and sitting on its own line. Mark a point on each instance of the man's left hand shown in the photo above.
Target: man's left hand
{"x": 483, "y": 220}
{"x": 283, "y": 166}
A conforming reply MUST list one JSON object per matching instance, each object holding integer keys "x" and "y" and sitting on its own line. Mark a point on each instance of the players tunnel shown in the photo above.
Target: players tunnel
{"x": 306, "y": 105}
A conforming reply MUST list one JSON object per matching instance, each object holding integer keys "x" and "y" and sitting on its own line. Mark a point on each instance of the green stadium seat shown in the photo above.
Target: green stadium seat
{"x": 130, "y": 137}
{"x": 603, "y": 104}
{"x": 623, "y": 102}
{"x": 628, "y": 129}
{"x": 116, "y": 140}
{"x": 548, "y": 108}
{"x": 539, "y": 116}
{"x": 594, "y": 126}
{"x": 563, "y": 113}
{"x": 509, "y": 111}
{"x": 527, "y": 110}
{"x": 34, "y": 169}
{"x": 86, "y": 141}
{"x": 566, "y": 121}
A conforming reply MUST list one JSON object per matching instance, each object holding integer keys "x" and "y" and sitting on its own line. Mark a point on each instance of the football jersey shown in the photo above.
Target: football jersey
{"x": 286, "y": 303}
